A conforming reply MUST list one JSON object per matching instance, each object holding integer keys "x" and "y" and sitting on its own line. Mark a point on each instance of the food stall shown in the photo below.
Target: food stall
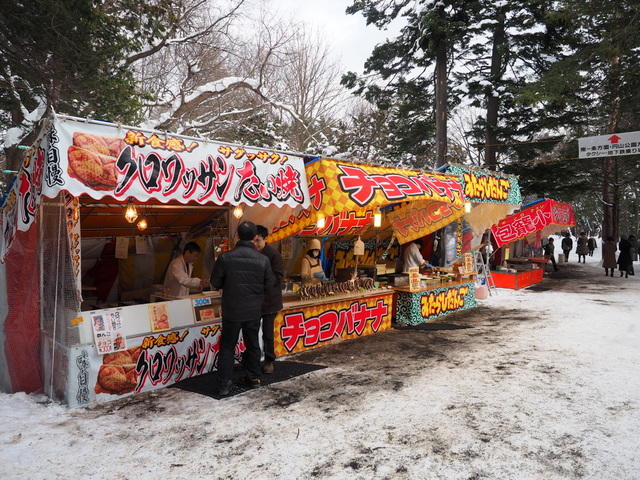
{"x": 107, "y": 207}
{"x": 383, "y": 207}
{"x": 536, "y": 221}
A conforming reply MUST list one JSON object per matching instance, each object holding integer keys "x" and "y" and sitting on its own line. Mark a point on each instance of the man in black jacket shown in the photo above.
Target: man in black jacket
{"x": 567, "y": 245}
{"x": 273, "y": 297}
{"x": 244, "y": 275}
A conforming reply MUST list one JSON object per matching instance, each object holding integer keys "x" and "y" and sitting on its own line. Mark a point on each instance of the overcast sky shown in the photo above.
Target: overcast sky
{"x": 350, "y": 38}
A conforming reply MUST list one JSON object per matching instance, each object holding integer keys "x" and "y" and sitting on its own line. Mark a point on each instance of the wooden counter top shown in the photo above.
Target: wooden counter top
{"x": 288, "y": 305}
{"x": 436, "y": 287}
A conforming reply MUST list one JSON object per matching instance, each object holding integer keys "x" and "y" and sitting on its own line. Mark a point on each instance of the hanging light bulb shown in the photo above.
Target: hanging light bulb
{"x": 467, "y": 207}
{"x": 142, "y": 224}
{"x": 238, "y": 212}
{"x": 320, "y": 223}
{"x": 131, "y": 213}
{"x": 377, "y": 219}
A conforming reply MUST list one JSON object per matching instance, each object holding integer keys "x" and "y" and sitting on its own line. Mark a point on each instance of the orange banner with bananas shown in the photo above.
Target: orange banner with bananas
{"x": 417, "y": 219}
{"x": 304, "y": 328}
{"x": 336, "y": 187}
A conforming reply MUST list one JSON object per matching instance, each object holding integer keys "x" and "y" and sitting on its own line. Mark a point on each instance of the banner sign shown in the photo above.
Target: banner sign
{"x": 344, "y": 223}
{"x": 336, "y": 186}
{"x": 484, "y": 186}
{"x": 101, "y": 160}
{"x": 532, "y": 219}
{"x": 425, "y": 306}
{"x": 23, "y": 200}
{"x": 305, "y": 328}
{"x": 72, "y": 213}
{"x": 150, "y": 362}
{"x": 611, "y": 145}
{"x": 418, "y": 219}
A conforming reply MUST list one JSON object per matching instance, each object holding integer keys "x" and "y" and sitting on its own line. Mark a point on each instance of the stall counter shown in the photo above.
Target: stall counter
{"x": 517, "y": 280}
{"x": 306, "y": 324}
{"x": 427, "y": 304}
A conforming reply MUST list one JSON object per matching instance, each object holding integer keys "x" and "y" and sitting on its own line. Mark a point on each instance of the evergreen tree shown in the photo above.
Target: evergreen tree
{"x": 73, "y": 56}
{"x": 429, "y": 42}
{"x": 593, "y": 85}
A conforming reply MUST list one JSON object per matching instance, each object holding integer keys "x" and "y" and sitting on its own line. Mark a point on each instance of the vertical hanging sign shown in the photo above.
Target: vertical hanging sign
{"x": 72, "y": 214}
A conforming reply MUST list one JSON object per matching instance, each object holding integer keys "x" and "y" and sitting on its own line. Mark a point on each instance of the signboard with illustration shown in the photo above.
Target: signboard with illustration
{"x": 150, "y": 362}
{"x": 305, "y": 328}
{"x": 485, "y": 186}
{"x": 103, "y": 159}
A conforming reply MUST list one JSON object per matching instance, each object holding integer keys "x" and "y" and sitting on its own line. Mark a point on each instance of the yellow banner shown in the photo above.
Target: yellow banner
{"x": 336, "y": 186}
{"x": 417, "y": 219}
{"x": 298, "y": 329}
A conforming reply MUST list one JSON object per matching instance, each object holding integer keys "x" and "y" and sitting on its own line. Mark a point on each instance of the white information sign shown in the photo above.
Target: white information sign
{"x": 107, "y": 331}
{"x": 612, "y": 145}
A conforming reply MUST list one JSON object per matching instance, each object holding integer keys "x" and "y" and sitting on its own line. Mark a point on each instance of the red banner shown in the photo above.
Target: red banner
{"x": 533, "y": 219}
{"x": 312, "y": 326}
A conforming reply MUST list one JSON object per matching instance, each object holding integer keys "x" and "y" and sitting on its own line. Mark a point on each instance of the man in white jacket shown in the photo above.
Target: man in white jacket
{"x": 177, "y": 280}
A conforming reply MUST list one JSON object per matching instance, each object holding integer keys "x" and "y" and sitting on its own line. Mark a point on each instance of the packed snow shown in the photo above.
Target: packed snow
{"x": 533, "y": 384}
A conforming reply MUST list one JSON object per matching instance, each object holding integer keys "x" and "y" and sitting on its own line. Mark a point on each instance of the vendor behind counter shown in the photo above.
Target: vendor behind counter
{"x": 311, "y": 268}
{"x": 177, "y": 280}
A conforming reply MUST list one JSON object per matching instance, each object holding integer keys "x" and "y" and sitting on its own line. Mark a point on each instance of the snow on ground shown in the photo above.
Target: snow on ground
{"x": 530, "y": 385}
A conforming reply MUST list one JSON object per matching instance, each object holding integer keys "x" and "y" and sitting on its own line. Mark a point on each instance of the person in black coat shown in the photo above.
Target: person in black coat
{"x": 273, "y": 297}
{"x": 244, "y": 275}
{"x": 567, "y": 246}
{"x": 624, "y": 259}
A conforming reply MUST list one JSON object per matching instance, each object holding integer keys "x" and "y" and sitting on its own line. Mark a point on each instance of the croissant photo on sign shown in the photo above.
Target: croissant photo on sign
{"x": 92, "y": 160}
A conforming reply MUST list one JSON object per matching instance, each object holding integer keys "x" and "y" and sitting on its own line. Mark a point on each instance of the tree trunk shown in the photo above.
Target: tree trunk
{"x": 441, "y": 103}
{"x": 493, "y": 102}
{"x": 610, "y": 165}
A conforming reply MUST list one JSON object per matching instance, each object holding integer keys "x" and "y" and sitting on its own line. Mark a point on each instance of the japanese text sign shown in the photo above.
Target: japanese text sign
{"x": 309, "y": 327}
{"x": 99, "y": 159}
{"x": 484, "y": 186}
{"x": 417, "y": 219}
{"x": 425, "y": 306}
{"x": 612, "y": 145}
{"x": 531, "y": 220}
{"x": 336, "y": 186}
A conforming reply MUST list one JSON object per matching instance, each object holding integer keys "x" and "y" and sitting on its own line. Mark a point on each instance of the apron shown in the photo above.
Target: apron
{"x": 315, "y": 267}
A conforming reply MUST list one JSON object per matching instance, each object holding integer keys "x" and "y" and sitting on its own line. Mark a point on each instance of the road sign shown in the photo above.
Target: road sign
{"x": 611, "y": 145}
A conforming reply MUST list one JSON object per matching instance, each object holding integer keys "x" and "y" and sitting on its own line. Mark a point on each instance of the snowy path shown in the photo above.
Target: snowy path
{"x": 533, "y": 384}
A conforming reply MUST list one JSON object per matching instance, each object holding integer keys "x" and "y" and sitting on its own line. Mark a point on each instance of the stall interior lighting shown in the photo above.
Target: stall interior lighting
{"x": 142, "y": 224}
{"x": 238, "y": 212}
{"x": 377, "y": 219}
{"x": 320, "y": 223}
{"x": 467, "y": 207}
{"x": 131, "y": 213}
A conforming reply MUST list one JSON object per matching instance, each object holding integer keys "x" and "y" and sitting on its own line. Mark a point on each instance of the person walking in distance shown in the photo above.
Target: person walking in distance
{"x": 244, "y": 275}
{"x": 567, "y": 245}
{"x": 273, "y": 297}
{"x": 609, "y": 256}
{"x": 592, "y": 245}
{"x": 634, "y": 252}
{"x": 549, "y": 253}
{"x": 583, "y": 247}
{"x": 624, "y": 258}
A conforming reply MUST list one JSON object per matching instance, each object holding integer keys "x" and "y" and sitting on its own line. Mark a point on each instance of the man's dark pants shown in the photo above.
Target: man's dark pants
{"x": 230, "y": 334}
{"x": 267, "y": 336}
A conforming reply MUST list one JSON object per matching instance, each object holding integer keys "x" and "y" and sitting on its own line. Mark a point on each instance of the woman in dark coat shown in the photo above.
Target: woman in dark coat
{"x": 609, "y": 256}
{"x": 583, "y": 248}
{"x": 624, "y": 259}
